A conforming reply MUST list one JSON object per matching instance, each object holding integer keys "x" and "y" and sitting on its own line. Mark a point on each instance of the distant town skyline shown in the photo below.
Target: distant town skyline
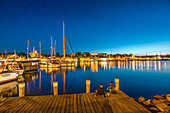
{"x": 116, "y": 26}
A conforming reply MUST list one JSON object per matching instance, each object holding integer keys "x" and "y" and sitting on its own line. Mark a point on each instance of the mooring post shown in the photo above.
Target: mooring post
{"x": 21, "y": 89}
{"x": 117, "y": 84}
{"x": 55, "y": 88}
{"x": 87, "y": 86}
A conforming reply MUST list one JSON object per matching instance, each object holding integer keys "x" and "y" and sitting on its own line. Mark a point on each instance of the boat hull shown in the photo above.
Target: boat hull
{"x": 6, "y": 77}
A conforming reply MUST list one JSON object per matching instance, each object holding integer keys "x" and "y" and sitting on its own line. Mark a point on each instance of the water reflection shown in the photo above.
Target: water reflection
{"x": 71, "y": 79}
{"x": 133, "y": 65}
{"x": 8, "y": 89}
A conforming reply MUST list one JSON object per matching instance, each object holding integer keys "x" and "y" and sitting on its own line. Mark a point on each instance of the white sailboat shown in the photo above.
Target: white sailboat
{"x": 64, "y": 62}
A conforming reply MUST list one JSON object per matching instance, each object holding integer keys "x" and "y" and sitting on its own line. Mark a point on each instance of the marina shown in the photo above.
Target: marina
{"x": 84, "y": 56}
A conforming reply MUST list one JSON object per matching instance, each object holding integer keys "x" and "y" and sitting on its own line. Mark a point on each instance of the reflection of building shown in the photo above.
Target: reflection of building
{"x": 94, "y": 66}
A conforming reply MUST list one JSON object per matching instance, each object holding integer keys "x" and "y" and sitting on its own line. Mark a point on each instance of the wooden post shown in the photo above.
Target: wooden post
{"x": 21, "y": 89}
{"x": 55, "y": 88}
{"x": 117, "y": 84}
{"x": 87, "y": 86}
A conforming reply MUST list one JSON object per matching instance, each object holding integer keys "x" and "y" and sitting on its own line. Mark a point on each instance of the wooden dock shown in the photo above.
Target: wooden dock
{"x": 72, "y": 103}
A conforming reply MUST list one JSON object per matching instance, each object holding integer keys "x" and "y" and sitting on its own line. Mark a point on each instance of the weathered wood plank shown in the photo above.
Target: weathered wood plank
{"x": 53, "y": 103}
{"x": 79, "y": 103}
{"x": 82, "y": 103}
{"x": 86, "y": 103}
{"x": 5, "y": 105}
{"x": 75, "y": 104}
{"x": 45, "y": 106}
{"x": 90, "y": 104}
{"x": 64, "y": 104}
{"x": 28, "y": 104}
{"x": 69, "y": 103}
{"x": 98, "y": 107}
{"x": 42, "y": 106}
{"x": 59, "y": 106}
{"x": 56, "y": 104}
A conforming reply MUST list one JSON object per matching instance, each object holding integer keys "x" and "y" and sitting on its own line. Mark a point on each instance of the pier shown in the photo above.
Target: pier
{"x": 73, "y": 103}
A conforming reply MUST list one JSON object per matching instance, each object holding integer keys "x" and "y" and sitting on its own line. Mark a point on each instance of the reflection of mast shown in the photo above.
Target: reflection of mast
{"x": 28, "y": 89}
{"x": 51, "y": 82}
{"x": 40, "y": 81}
{"x": 64, "y": 82}
{"x": 64, "y": 54}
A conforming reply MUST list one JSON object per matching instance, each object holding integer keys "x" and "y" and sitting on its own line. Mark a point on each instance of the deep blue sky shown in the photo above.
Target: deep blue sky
{"x": 117, "y": 26}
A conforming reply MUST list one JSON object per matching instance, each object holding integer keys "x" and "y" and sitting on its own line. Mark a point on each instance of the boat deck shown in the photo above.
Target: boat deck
{"x": 69, "y": 103}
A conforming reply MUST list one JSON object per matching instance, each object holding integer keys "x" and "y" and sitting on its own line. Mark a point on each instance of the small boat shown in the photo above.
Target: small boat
{"x": 18, "y": 69}
{"x": 50, "y": 64}
{"x": 8, "y": 76}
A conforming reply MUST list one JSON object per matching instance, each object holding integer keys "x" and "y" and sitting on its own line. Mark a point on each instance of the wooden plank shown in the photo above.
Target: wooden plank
{"x": 27, "y": 105}
{"x": 86, "y": 103}
{"x": 130, "y": 106}
{"x": 82, "y": 103}
{"x": 120, "y": 106}
{"x": 49, "y": 104}
{"x": 75, "y": 104}
{"x": 90, "y": 104}
{"x": 53, "y": 103}
{"x": 12, "y": 105}
{"x": 6, "y": 104}
{"x": 31, "y": 104}
{"x": 68, "y": 104}
{"x": 42, "y": 105}
{"x": 22, "y": 105}
{"x": 134, "y": 103}
{"x": 64, "y": 104}
{"x": 56, "y": 104}
{"x": 100, "y": 100}
{"x": 38, "y": 103}
{"x": 71, "y": 104}
{"x": 45, "y": 106}
{"x": 79, "y": 103}
{"x": 60, "y": 104}
{"x": 98, "y": 107}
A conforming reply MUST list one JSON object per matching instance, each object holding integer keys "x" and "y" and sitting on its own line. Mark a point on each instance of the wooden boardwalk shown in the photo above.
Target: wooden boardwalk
{"x": 72, "y": 103}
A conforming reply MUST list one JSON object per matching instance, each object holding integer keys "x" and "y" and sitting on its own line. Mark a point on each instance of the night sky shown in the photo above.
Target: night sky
{"x": 112, "y": 26}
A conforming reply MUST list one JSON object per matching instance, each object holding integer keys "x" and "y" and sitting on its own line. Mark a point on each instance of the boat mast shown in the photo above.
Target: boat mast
{"x": 40, "y": 48}
{"x": 55, "y": 48}
{"x": 51, "y": 46}
{"x": 28, "y": 50}
{"x": 64, "y": 54}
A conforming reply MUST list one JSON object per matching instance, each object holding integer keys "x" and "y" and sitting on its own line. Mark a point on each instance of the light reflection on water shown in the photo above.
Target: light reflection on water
{"x": 137, "y": 78}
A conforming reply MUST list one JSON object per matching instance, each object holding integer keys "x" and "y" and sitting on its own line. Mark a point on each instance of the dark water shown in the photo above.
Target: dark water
{"x": 137, "y": 78}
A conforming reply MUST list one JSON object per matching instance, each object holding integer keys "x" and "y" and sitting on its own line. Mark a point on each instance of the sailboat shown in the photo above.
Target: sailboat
{"x": 64, "y": 62}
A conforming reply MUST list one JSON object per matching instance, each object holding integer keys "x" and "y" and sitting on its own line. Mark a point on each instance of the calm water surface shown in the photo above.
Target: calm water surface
{"x": 137, "y": 78}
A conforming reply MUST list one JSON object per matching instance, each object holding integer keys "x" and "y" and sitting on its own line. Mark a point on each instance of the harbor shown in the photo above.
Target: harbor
{"x": 84, "y": 56}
